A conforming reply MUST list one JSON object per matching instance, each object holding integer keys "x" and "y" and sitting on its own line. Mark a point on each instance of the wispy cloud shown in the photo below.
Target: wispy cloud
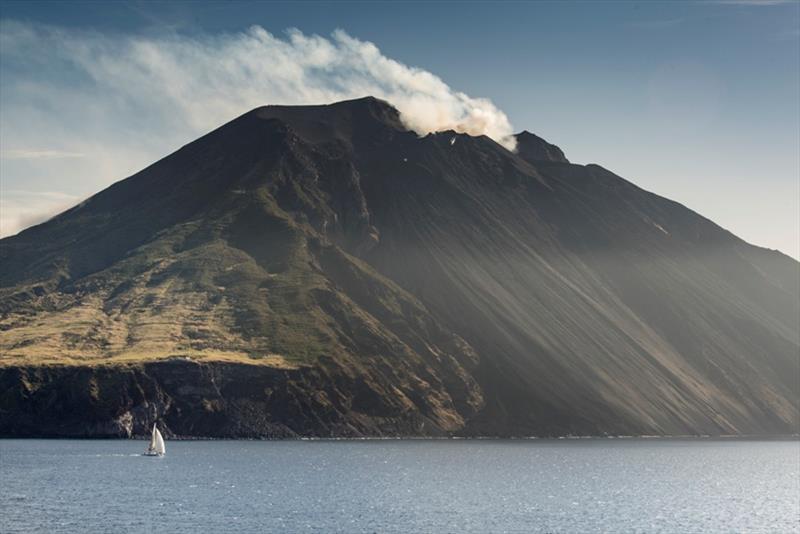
{"x": 788, "y": 35}
{"x": 21, "y": 209}
{"x": 657, "y": 24}
{"x": 756, "y": 3}
{"x": 38, "y": 154}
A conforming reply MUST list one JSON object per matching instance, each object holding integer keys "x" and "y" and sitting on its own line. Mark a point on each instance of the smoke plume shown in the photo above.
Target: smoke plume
{"x": 86, "y": 109}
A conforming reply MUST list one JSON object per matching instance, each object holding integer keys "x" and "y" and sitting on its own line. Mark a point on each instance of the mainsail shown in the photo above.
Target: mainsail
{"x": 156, "y": 447}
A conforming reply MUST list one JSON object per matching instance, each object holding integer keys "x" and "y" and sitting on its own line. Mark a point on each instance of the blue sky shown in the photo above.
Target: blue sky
{"x": 698, "y": 102}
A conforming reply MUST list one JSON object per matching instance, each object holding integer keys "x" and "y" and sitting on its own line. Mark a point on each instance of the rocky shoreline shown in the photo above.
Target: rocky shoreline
{"x": 209, "y": 399}
{"x": 221, "y": 400}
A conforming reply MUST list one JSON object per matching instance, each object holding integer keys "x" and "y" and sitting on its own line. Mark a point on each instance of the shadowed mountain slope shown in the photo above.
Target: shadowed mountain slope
{"x": 320, "y": 270}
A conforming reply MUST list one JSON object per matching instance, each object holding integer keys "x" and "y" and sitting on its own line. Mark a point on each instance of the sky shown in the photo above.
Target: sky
{"x": 695, "y": 101}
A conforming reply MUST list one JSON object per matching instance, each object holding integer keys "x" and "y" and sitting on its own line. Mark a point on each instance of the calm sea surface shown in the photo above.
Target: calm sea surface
{"x": 573, "y": 486}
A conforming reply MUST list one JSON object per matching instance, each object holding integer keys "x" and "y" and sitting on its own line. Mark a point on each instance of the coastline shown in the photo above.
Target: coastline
{"x": 727, "y": 437}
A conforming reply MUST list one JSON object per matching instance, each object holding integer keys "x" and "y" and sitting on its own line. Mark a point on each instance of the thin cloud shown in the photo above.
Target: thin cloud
{"x": 657, "y": 24}
{"x": 757, "y": 3}
{"x": 21, "y": 209}
{"x": 39, "y": 154}
{"x": 788, "y": 35}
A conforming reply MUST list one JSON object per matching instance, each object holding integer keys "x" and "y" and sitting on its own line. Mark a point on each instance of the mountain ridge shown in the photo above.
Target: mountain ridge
{"x": 441, "y": 284}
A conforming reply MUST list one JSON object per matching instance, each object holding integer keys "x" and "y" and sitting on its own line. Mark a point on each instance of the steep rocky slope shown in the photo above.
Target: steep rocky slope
{"x": 321, "y": 270}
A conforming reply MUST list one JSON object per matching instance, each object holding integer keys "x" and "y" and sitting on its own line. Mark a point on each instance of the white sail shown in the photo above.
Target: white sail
{"x": 159, "y": 445}
{"x": 156, "y": 447}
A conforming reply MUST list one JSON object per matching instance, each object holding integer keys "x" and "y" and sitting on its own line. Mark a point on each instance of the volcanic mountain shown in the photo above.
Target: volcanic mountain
{"x": 324, "y": 271}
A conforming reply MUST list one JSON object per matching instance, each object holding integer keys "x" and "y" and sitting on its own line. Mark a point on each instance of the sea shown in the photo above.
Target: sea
{"x": 387, "y": 486}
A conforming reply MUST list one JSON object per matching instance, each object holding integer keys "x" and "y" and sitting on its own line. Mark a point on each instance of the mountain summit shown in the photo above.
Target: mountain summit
{"x": 324, "y": 271}
{"x": 533, "y": 148}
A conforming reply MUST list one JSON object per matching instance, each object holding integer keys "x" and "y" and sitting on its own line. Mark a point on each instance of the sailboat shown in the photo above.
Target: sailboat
{"x": 156, "y": 447}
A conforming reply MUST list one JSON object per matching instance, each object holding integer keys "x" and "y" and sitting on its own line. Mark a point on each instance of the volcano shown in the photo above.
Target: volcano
{"x": 324, "y": 271}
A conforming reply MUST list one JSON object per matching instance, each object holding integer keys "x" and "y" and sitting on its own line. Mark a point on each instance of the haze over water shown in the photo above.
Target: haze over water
{"x": 402, "y": 486}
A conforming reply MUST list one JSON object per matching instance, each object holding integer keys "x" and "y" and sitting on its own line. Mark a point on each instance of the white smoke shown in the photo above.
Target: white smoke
{"x": 81, "y": 110}
{"x": 204, "y": 81}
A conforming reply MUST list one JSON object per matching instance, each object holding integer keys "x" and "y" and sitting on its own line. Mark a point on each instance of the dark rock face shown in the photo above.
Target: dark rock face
{"x": 214, "y": 400}
{"x": 322, "y": 271}
{"x": 533, "y": 148}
